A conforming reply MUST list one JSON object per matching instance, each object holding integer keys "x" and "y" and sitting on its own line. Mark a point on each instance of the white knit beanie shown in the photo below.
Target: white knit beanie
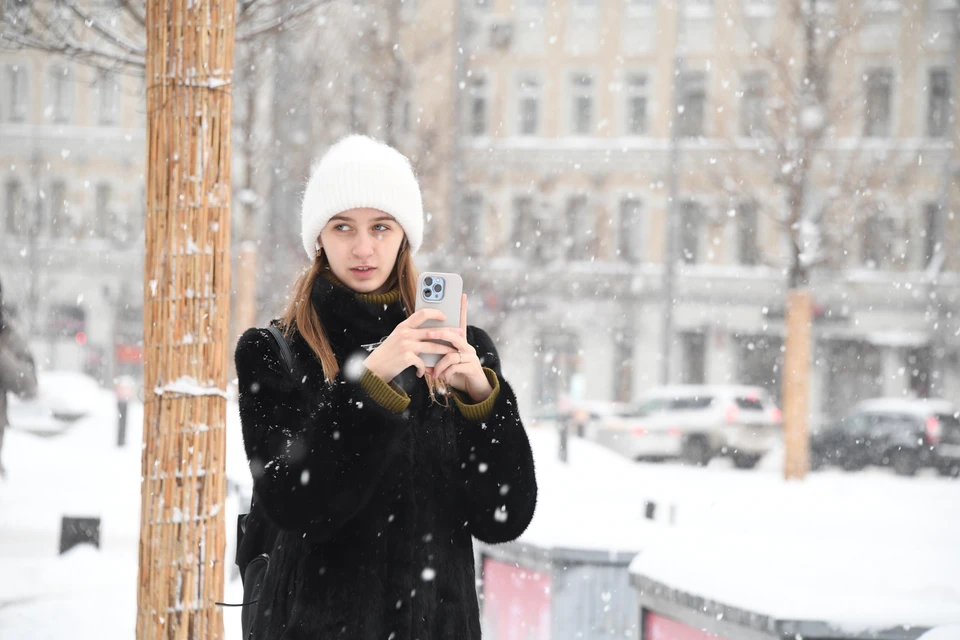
{"x": 360, "y": 172}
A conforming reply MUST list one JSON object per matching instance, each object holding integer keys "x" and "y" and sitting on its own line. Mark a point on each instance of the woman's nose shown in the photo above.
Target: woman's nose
{"x": 363, "y": 246}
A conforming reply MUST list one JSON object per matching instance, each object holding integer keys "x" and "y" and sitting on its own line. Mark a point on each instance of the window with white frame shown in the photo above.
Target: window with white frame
{"x": 61, "y": 97}
{"x": 17, "y": 98}
{"x": 108, "y": 98}
{"x": 933, "y": 232}
{"x": 582, "y": 103}
{"x": 748, "y": 221}
{"x": 876, "y": 250}
{"x": 104, "y": 211}
{"x": 528, "y": 104}
{"x": 624, "y": 339}
{"x": 59, "y": 217}
{"x": 878, "y": 103}
{"x": 691, "y": 221}
{"x": 356, "y": 103}
{"x": 753, "y": 114}
{"x": 471, "y": 224}
{"x": 15, "y": 206}
{"x": 630, "y": 237}
{"x": 637, "y": 92}
{"x": 938, "y": 102}
{"x": 477, "y": 104}
{"x": 580, "y": 228}
{"x": 692, "y": 104}
{"x": 526, "y": 227}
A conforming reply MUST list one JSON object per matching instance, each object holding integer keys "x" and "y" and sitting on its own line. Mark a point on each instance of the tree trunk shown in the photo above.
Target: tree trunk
{"x": 186, "y": 318}
{"x": 796, "y": 384}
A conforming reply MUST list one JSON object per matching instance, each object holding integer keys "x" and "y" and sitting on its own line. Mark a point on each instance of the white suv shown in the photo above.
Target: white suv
{"x": 695, "y": 423}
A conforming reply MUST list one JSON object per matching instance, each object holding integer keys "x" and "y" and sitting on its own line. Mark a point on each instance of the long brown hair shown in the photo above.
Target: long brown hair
{"x": 301, "y": 316}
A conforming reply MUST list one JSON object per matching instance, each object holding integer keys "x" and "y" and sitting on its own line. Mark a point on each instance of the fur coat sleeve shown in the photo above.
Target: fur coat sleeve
{"x": 499, "y": 481}
{"x": 316, "y": 460}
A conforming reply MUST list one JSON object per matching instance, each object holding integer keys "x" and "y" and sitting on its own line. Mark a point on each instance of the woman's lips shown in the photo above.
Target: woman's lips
{"x": 363, "y": 274}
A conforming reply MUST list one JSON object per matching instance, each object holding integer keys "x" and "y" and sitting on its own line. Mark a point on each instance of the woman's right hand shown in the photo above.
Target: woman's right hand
{"x": 402, "y": 348}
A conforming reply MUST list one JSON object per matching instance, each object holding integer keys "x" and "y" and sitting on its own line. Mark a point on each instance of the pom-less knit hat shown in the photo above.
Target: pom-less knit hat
{"x": 360, "y": 172}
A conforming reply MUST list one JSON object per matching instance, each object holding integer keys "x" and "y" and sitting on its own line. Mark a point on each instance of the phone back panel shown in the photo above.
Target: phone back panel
{"x": 449, "y": 305}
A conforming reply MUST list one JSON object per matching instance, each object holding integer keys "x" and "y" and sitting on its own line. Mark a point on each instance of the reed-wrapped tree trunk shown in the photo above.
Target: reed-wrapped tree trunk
{"x": 189, "y": 70}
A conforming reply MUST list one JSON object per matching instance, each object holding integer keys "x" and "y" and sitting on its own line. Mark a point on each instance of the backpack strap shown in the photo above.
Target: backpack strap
{"x": 285, "y": 353}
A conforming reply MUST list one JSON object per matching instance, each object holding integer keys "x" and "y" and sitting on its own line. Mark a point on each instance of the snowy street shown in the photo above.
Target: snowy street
{"x": 865, "y": 549}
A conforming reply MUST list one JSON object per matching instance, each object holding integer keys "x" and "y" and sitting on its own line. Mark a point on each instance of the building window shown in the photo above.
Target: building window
{"x": 579, "y": 229}
{"x": 17, "y": 98}
{"x": 878, "y": 235}
{"x": 760, "y": 362}
{"x": 623, "y": 341}
{"x": 558, "y": 361}
{"x": 748, "y": 249}
{"x": 691, "y": 108}
{"x": 62, "y": 95}
{"x": 477, "y": 101}
{"x": 878, "y": 103}
{"x": 108, "y": 90}
{"x": 932, "y": 232}
{"x": 938, "y": 105}
{"x": 581, "y": 89}
{"x": 691, "y": 219}
{"x": 528, "y": 106}
{"x": 15, "y": 205}
{"x": 59, "y": 222}
{"x": 753, "y": 120}
{"x": 103, "y": 213}
{"x": 631, "y": 230}
{"x": 694, "y": 354}
{"x": 471, "y": 224}
{"x": 356, "y": 108}
{"x": 637, "y": 102}
{"x": 526, "y": 227}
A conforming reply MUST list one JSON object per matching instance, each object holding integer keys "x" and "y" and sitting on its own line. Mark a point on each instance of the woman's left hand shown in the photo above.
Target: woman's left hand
{"x": 461, "y": 370}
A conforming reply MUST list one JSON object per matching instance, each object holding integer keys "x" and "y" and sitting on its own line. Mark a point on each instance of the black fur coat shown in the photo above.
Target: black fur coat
{"x": 375, "y": 509}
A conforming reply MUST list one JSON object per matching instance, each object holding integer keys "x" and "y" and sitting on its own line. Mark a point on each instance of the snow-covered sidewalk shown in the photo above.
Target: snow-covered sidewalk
{"x": 709, "y": 523}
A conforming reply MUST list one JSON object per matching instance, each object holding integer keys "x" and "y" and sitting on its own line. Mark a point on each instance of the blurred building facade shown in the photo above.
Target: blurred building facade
{"x": 544, "y": 150}
{"x": 564, "y": 130}
{"x": 72, "y": 142}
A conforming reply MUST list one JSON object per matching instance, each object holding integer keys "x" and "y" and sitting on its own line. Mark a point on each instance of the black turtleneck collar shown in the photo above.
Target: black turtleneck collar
{"x": 351, "y": 320}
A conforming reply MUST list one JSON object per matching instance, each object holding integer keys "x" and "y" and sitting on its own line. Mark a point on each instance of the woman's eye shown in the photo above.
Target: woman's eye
{"x": 381, "y": 227}
{"x": 341, "y": 227}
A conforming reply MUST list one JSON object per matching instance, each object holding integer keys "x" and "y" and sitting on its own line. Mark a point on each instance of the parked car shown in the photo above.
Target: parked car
{"x": 906, "y": 434}
{"x": 63, "y": 397}
{"x": 695, "y": 423}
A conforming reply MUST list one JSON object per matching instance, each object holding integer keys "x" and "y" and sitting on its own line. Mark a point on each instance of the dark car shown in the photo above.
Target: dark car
{"x": 905, "y": 434}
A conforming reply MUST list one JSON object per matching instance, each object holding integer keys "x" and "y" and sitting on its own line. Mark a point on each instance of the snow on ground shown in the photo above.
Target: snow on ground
{"x": 864, "y": 551}
{"x": 86, "y": 593}
{"x": 719, "y": 530}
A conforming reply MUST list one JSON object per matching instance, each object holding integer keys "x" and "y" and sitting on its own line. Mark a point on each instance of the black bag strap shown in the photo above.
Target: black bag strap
{"x": 285, "y": 353}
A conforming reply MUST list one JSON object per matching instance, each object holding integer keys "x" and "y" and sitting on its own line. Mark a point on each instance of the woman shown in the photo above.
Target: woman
{"x": 376, "y": 471}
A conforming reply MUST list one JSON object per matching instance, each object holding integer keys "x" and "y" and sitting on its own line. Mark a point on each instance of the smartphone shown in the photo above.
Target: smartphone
{"x": 442, "y": 291}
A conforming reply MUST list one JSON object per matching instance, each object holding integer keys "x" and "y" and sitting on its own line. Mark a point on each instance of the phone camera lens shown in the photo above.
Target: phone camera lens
{"x": 426, "y": 293}
{"x": 438, "y": 288}
{"x": 428, "y": 281}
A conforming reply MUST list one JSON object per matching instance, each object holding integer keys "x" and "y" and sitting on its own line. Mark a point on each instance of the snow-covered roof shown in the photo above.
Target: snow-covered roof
{"x": 912, "y": 406}
{"x": 700, "y": 390}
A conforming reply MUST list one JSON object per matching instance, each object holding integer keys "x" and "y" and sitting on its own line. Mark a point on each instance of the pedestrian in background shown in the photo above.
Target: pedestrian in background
{"x": 18, "y": 373}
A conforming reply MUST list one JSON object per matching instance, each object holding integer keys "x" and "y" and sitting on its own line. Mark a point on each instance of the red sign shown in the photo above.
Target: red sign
{"x": 657, "y": 627}
{"x": 516, "y": 602}
{"x": 128, "y": 354}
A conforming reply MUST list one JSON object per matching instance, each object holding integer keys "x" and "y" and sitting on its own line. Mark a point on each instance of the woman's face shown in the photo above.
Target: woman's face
{"x": 362, "y": 247}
